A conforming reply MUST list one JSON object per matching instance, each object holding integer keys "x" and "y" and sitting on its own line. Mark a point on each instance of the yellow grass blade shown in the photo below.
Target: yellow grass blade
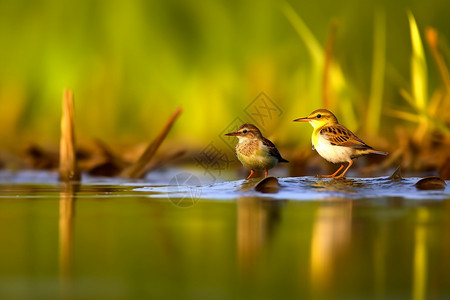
{"x": 418, "y": 66}
{"x": 337, "y": 86}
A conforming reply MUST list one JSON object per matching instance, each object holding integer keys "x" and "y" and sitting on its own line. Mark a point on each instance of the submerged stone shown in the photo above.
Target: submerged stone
{"x": 431, "y": 183}
{"x": 268, "y": 185}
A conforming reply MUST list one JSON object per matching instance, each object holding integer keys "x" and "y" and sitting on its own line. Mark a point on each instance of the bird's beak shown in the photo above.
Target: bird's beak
{"x": 233, "y": 133}
{"x": 306, "y": 119}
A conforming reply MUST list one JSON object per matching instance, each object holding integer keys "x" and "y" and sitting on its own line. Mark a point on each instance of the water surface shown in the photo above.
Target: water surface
{"x": 314, "y": 239}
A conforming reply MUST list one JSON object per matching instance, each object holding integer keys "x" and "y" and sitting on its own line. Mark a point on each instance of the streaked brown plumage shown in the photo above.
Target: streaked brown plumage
{"x": 255, "y": 151}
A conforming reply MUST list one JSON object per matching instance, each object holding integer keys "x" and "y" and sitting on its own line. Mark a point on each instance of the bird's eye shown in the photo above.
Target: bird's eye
{"x": 319, "y": 116}
{"x": 244, "y": 131}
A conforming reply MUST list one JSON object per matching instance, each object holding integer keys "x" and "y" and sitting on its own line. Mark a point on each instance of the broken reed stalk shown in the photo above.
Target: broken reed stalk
{"x": 68, "y": 168}
{"x": 140, "y": 167}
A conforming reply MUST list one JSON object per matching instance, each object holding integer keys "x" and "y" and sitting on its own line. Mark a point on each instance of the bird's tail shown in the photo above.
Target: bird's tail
{"x": 378, "y": 152}
{"x": 282, "y": 160}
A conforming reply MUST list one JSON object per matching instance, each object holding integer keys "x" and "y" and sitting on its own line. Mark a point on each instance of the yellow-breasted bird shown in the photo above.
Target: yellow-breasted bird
{"x": 335, "y": 142}
{"x": 255, "y": 151}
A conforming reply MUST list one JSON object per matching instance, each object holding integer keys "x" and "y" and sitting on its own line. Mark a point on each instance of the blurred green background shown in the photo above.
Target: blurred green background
{"x": 131, "y": 63}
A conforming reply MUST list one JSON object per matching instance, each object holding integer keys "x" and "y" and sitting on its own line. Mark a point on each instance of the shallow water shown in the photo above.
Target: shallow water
{"x": 315, "y": 239}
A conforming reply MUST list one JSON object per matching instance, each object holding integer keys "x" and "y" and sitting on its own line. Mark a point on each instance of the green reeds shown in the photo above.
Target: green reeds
{"x": 314, "y": 48}
{"x": 328, "y": 88}
{"x": 378, "y": 71}
{"x": 326, "y": 97}
{"x": 419, "y": 76}
{"x": 426, "y": 112}
{"x": 432, "y": 38}
{"x": 316, "y": 55}
{"x": 441, "y": 99}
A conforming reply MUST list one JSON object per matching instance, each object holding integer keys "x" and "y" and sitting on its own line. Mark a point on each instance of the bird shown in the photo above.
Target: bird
{"x": 335, "y": 142}
{"x": 255, "y": 151}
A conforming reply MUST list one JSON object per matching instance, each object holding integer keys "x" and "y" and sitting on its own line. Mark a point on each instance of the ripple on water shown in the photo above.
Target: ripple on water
{"x": 308, "y": 188}
{"x": 163, "y": 185}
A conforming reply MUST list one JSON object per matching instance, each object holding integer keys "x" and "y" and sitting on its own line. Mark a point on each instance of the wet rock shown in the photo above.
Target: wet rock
{"x": 268, "y": 185}
{"x": 431, "y": 183}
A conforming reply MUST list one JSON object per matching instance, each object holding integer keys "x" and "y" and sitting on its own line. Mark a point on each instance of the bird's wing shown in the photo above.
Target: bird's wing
{"x": 273, "y": 150}
{"x": 339, "y": 135}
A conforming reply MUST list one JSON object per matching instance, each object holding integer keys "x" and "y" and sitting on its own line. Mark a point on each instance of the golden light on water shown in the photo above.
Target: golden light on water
{"x": 331, "y": 237}
{"x": 420, "y": 262}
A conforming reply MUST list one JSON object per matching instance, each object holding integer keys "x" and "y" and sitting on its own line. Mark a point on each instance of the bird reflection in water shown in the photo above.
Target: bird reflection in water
{"x": 331, "y": 237}
{"x": 257, "y": 221}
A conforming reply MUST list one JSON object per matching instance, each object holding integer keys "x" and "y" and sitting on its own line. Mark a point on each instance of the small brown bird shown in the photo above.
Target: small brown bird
{"x": 335, "y": 142}
{"x": 255, "y": 151}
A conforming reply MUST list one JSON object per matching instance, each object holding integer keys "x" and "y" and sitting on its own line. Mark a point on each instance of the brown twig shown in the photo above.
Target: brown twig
{"x": 140, "y": 167}
{"x": 68, "y": 169}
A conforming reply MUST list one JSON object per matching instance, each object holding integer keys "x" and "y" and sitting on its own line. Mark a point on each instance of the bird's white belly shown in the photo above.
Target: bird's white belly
{"x": 334, "y": 154}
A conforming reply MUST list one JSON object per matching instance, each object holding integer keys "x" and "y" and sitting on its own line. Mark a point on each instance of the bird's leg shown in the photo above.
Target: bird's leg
{"x": 332, "y": 175}
{"x": 345, "y": 171}
{"x": 251, "y": 174}
{"x": 267, "y": 173}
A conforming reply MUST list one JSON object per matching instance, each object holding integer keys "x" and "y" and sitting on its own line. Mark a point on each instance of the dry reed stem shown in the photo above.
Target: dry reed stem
{"x": 141, "y": 166}
{"x": 68, "y": 169}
